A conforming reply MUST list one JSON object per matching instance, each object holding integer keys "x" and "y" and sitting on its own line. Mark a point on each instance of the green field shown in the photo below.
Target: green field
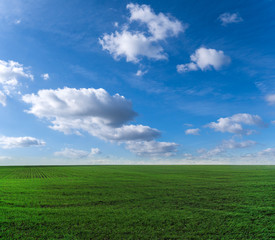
{"x": 137, "y": 202}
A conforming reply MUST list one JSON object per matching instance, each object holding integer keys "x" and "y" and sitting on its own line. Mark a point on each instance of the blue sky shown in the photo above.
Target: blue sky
{"x": 142, "y": 82}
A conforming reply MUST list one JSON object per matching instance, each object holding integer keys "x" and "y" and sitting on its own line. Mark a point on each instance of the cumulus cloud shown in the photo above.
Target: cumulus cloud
{"x": 152, "y": 148}
{"x": 131, "y": 45}
{"x": 106, "y": 132}
{"x": 137, "y": 44}
{"x": 227, "y": 18}
{"x": 11, "y": 71}
{"x": 45, "y": 76}
{"x": 19, "y": 142}
{"x": 94, "y": 111}
{"x": 93, "y": 105}
{"x": 205, "y": 59}
{"x": 192, "y": 131}
{"x": 160, "y": 26}
{"x": 270, "y": 99}
{"x": 10, "y": 74}
{"x": 234, "y": 123}
{"x": 76, "y": 153}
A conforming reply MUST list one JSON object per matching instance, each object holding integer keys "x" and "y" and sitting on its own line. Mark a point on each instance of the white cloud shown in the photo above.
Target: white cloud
{"x": 265, "y": 156}
{"x": 72, "y": 153}
{"x": 94, "y": 105}
{"x": 213, "y": 152}
{"x": 76, "y": 153}
{"x": 19, "y": 142}
{"x": 270, "y": 99}
{"x": 97, "y": 128}
{"x": 192, "y": 131}
{"x": 131, "y": 45}
{"x": 226, "y": 144}
{"x": 45, "y": 76}
{"x": 18, "y": 21}
{"x": 234, "y": 123}
{"x": 152, "y": 148}
{"x": 140, "y": 73}
{"x": 137, "y": 44}
{"x": 91, "y": 110}
{"x": 267, "y": 152}
{"x": 227, "y": 18}
{"x": 160, "y": 26}
{"x": 187, "y": 67}
{"x": 232, "y": 144}
{"x": 3, "y": 98}
{"x": 205, "y": 59}
{"x": 10, "y": 74}
{"x": 95, "y": 151}
{"x": 223, "y": 154}
{"x": 188, "y": 124}
{"x": 2, "y": 158}
{"x": 128, "y": 133}
{"x": 11, "y": 71}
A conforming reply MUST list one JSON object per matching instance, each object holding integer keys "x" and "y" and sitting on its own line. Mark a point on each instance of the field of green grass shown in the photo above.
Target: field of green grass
{"x": 137, "y": 202}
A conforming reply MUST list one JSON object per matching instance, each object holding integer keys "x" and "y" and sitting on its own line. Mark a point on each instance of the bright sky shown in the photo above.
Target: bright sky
{"x": 144, "y": 82}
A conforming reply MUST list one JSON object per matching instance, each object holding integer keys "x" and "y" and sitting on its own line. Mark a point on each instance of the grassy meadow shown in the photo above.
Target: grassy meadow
{"x": 137, "y": 202}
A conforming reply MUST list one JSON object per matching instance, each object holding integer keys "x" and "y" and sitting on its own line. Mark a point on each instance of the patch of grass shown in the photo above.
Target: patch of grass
{"x": 137, "y": 202}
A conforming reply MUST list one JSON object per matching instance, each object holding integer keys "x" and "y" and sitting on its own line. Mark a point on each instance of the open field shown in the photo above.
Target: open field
{"x": 137, "y": 202}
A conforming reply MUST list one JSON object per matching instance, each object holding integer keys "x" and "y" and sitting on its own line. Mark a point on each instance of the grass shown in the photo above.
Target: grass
{"x": 137, "y": 202}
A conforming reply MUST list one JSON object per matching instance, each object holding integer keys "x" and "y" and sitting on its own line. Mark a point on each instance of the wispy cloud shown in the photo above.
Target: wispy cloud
{"x": 19, "y": 142}
{"x": 10, "y": 74}
{"x": 270, "y": 99}
{"x": 192, "y": 131}
{"x": 222, "y": 148}
{"x": 3, "y": 158}
{"x": 140, "y": 73}
{"x": 18, "y": 21}
{"x": 227, "y": 18}
{"x": 265, "y": 156}
{"x": 152, "y": 148}
{"x": 76, "y": 153}
{"x": 3, "y": 98}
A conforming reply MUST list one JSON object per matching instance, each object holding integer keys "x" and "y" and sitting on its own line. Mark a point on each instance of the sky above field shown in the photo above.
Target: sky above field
{"x": 142, "y": 82}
